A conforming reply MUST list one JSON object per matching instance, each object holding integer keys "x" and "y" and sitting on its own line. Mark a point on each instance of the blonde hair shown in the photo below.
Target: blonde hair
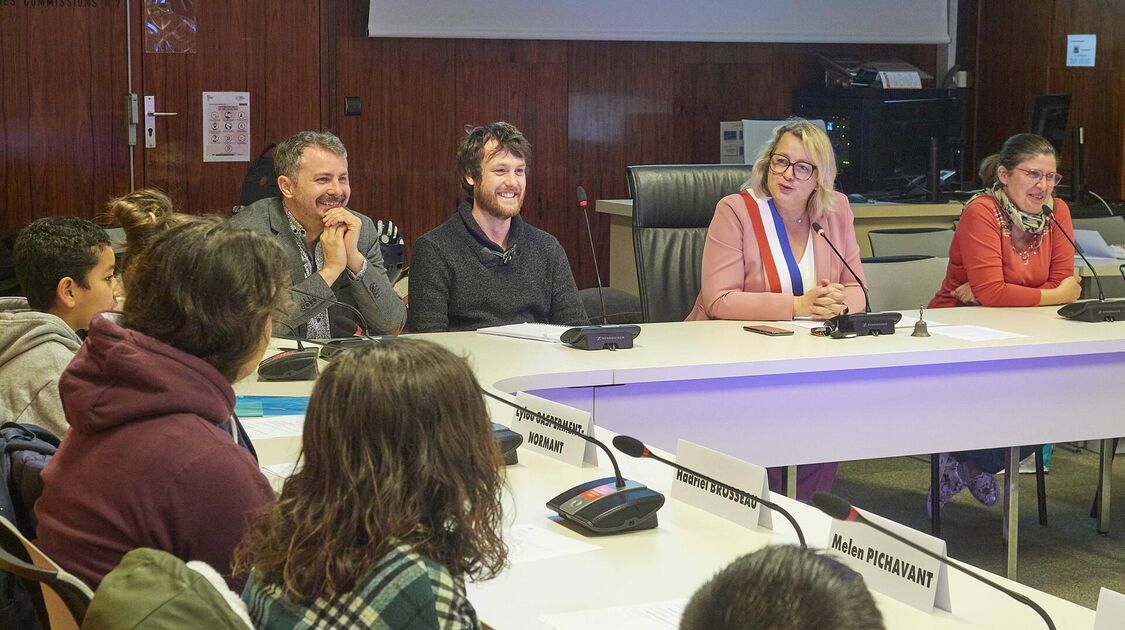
{"x": 819, "y": 149}
{"x": 142, "y": 214}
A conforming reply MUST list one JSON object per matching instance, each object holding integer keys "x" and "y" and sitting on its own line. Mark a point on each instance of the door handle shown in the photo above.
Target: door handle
{"x": 150, "y": 121}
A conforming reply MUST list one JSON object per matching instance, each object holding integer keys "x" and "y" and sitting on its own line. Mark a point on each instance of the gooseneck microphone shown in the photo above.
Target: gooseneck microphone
{"x": 841, "y": 510}
{"x": 582, "y": 203}
{"x": 633, "y": 447}
{"x": 866, "y": 323}
{"x": 603, "y": 506}
{"x": 1102, "y": 310}
{"x": 364, "y": 328}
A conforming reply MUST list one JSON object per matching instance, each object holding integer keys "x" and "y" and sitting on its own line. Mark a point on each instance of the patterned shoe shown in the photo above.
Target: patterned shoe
{"x": 949, "y": 480}
{"x": 982, "y": 487}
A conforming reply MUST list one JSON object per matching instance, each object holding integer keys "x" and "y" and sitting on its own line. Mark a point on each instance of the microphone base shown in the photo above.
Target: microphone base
{"x": 509, "y": 442}
{"x": 600, "y": 507}
{"x": 1095, "y": 311}
{"x": 612, "y": 336}
{"x": 864, "y": 324}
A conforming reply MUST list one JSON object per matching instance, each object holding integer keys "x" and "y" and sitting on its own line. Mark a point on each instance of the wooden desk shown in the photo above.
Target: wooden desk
{"x": 868, "y": 216}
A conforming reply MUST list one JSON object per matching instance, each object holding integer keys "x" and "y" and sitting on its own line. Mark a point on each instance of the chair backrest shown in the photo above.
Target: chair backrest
{"x": 672, "y": 209}
{"x": 1112, "y": 229}
{"x": 903, "y": 283}
{"x": 911, "y": 242}
{"x": 59, "y": 599}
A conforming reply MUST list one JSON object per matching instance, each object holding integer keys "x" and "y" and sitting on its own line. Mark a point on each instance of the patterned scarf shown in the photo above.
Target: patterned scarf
{"x": 1030, "y": 223}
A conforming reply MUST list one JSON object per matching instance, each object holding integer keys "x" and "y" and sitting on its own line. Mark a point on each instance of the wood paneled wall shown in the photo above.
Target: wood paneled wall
{"x": 1021, "y": 53}
{"x": 62, "y": 109}
{"x": 588, "y": 108}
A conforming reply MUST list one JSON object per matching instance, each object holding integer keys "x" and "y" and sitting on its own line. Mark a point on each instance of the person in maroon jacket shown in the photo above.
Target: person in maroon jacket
{"x": 151, "y": 459}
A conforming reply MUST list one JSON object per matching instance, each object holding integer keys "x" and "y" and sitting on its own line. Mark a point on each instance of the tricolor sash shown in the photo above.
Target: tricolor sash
{"x": 778, "y": 262}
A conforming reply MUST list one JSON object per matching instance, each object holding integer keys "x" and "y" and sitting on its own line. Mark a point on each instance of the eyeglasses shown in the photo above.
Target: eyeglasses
{"x": 801, "y": 170}
{"x": 1035, "y": 175}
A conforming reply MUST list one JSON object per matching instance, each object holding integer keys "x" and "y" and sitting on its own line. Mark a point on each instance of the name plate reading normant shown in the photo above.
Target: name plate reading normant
{"x": 714, "y": 498}
{"x": 889, "y": 566}
{"x": 541, "y": 437}
{"x": 1111, "y": 610}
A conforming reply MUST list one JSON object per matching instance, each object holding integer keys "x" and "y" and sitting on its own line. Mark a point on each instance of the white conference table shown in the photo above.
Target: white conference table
{"x": 802, "y": 399}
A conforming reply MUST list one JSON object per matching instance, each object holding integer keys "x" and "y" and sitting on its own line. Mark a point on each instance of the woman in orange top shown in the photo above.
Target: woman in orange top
{"x": 1007, "y": 252}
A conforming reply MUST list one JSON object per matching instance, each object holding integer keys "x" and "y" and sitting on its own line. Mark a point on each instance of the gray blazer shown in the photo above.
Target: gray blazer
{"x": 371, "y": 292}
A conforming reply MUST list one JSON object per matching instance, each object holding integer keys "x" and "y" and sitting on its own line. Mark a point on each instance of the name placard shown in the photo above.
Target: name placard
{"x": 716, "y": 499}
{"x": 891, "y": 567}
{"x": 543, "y": 438}
{"x": 1111, "y": 610}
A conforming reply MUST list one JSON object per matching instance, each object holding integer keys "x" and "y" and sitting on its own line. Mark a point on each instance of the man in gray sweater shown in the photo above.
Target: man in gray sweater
{"x": 333, "y": 252}
{"x": 485, "y": 266}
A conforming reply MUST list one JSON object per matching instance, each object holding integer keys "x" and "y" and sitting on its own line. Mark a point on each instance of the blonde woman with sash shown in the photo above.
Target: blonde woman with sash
{"x": 762, "y": 260}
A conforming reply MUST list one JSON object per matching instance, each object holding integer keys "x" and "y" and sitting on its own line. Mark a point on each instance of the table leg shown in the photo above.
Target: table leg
{"x": 1106, "y": 464}
{"x": 791, "y": 482}
{"x": 1012, "y": 483}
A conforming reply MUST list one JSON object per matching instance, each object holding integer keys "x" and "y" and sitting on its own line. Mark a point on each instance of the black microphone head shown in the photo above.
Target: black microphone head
{"x": 816, "y": 228}
{"x": 582, "y": 196}
{"x": 832, "y": 505}
{"x": 1048, "y": 210}
{"x": 631, "y": 446}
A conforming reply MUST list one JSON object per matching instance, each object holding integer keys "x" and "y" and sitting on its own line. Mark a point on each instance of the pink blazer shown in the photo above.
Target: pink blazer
{"x": 734, "y": 282}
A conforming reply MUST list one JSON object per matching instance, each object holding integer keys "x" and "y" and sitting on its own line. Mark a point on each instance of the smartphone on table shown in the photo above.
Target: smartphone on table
{"x": 769, "y": 331}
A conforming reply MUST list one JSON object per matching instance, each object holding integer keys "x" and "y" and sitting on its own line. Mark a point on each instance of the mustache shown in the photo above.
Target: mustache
{"x": 331, "y": 200}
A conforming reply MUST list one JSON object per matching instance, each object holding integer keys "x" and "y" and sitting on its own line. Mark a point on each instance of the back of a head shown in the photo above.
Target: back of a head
{"x": 53, "y": 248}
{"x": 1014, "y": 151}
{"x": 208, "y": 288}
{"x": 142, "y": 214}
{"x": 401, "y": 424}
{"x": 783, "y": 588}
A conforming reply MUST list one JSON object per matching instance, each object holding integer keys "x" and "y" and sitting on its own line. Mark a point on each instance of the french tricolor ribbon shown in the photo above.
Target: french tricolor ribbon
{"x": 778, "y": 262}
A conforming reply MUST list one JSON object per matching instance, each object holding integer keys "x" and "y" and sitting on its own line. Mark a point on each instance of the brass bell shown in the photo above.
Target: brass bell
{"x": 920, "y": 328}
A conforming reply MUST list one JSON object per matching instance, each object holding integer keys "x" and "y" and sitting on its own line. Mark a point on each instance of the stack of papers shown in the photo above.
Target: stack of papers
{"x": 538, "y": 332}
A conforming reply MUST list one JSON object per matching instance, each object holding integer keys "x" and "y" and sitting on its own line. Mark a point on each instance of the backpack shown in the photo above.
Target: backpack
{"x": 25, "y": 450}
{"x": 261, "y": 180}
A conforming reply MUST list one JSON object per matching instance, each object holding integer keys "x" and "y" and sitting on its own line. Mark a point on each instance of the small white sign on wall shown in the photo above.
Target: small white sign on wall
{"x": 1081, "y": 50}
{"x": 226, "y": 126}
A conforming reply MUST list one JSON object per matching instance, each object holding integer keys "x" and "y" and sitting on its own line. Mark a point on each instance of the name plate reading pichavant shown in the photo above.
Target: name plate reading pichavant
{"x": 891, "y": 567}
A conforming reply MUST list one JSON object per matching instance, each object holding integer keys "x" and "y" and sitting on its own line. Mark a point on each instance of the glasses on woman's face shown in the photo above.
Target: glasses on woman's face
{"x": 801, "y": 170}
{"x": 1035, "y": 175}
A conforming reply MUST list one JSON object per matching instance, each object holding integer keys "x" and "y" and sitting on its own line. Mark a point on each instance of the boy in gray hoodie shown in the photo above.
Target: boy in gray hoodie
{"x": 65, "y": 267}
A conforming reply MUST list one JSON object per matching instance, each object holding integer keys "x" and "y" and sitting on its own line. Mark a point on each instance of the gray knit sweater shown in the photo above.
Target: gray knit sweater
{"x": 461, "y": 280}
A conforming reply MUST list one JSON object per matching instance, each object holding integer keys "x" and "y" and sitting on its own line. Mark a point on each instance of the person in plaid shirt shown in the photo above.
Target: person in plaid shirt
{"x": 395, "y": 503}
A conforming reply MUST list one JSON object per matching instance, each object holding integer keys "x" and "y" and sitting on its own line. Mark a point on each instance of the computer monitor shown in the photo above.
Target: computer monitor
{"x": 1048, "y": 116}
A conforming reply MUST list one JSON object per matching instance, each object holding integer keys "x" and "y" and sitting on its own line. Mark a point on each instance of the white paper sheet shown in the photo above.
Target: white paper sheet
{"x": 975, "y": 333}
{"x": 274, "y": 427}
{"x": 652, "y": 616}
{"x": 529, "y": 543}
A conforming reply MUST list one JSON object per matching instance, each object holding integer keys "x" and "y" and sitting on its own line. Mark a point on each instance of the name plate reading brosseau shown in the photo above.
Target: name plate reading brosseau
{"x": 891, "y": 567}
{"x": 1111, "y": 610}
{"x": 541, "y": 437}
{"x": 716, "y": 499}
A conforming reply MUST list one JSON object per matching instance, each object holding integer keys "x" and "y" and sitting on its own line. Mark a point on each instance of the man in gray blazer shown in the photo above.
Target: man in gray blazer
{"x": 333, "y": 251}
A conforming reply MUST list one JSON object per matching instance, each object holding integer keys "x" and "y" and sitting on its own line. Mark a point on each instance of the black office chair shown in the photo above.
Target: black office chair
{"x": 672, "y": 209}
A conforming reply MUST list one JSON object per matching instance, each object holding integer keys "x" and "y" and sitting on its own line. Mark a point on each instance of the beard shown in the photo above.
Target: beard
{"x": 490, "y": 203}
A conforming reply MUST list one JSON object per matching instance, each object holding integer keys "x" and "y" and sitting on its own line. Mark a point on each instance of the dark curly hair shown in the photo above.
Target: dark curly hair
{"x": 397, "y": 448}
{"x": 470, "y": 154}
{"x": 53, "y": 248}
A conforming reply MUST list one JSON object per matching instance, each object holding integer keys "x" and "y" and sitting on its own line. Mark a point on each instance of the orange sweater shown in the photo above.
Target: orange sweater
{"x": 982, "y": 255}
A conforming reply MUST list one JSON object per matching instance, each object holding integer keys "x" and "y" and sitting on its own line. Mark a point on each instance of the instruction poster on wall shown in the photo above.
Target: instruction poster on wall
{"x": 226, "y": 126}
